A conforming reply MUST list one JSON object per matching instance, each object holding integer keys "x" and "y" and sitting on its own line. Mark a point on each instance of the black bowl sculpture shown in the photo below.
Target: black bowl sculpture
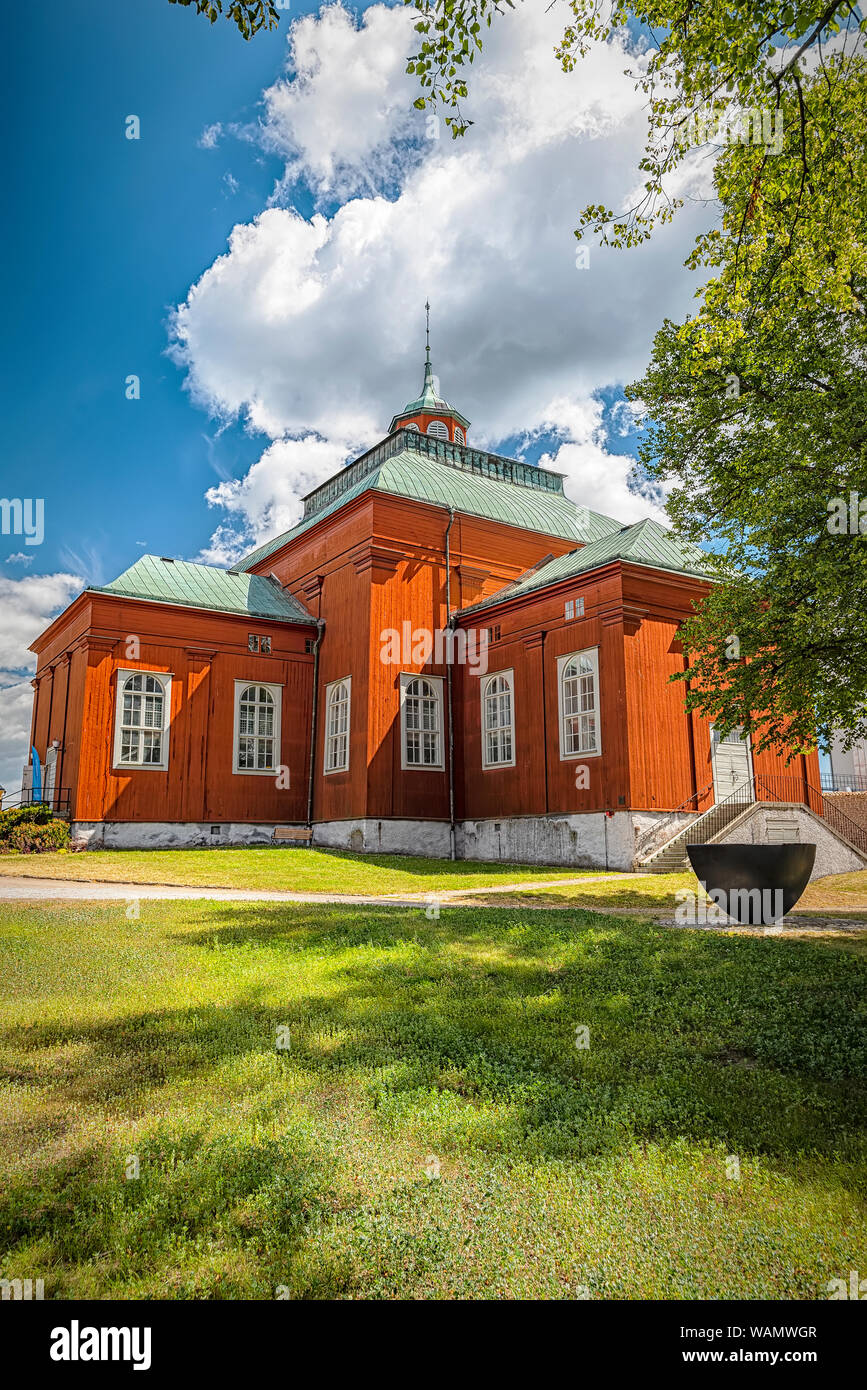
{"x": 754, "y": 885}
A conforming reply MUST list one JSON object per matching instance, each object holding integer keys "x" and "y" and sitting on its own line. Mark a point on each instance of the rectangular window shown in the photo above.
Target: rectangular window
{"x": 265, "y": 645}
{"x": 141, "y": 722}
{"x": 498, "y": 720}
{"x": 309, "y": 644}
{"x": 574, "y": 608}
{"x": 421, "y": 722}
{"x": 257, "y": 727}
{"x": 252, "y": 642}
{"x": 494, "y": 633}
{"x": 338, "y": 696}
{"x": 578, "y": 695}
{"x": 257, "y": 643}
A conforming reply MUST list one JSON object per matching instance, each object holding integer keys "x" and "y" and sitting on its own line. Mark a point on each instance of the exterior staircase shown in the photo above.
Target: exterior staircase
{"x": 670, "y": 857}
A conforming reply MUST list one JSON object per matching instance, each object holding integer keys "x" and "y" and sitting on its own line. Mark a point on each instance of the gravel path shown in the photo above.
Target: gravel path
{"x": 45, "y": 889}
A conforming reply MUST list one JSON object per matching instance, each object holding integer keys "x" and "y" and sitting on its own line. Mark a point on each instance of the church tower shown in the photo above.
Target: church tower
{"x": 430, "y": 414}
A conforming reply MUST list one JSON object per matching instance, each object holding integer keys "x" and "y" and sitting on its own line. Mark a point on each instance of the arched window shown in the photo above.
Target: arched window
{"x": 337, "y": 698}
{"x": 141, "y": 729}
{"x": 412, "y": 426}
{"x": 498, "y": 726}
{"x": 421, "y": 721}
{"x": 257, "y": 727}
{"x": 579, "y": 703}
{"x": 438, "y": 429}
{"x": 460, "y": 437}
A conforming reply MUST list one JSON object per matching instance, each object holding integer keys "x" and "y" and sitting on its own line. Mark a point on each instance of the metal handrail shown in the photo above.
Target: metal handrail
{"x": 462, "y": 456}
{"x": 797, "y": 792}
{"x": 844, "y": 782}
{"x": 653, "y": 830}
{"x": 59, "y": 800}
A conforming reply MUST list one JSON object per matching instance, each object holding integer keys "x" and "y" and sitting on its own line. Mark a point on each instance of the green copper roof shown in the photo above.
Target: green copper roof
{"x": 206, "y": 586}
{"x": 412, "y": 465}
{"x": 644, "y": 543}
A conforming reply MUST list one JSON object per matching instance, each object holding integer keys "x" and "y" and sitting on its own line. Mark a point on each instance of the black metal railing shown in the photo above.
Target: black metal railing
{"x": 654, "y": 837}
{"x": 844, "y": 782}
{"x": 459, "y": 456}
{"x": 790, "y": 790}
{"x": 59, "y": 800}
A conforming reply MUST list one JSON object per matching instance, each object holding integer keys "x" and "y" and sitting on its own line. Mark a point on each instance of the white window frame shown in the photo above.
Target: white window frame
{"x": 123, "y": 674}
{"x": 329, "y": 736}
{"x": 436, "y": 682}
{"x": 276, "y": 692}
{"x": 438, "y": 429}
{"x": 509, "y": 678}
{"x": 460, "y": 437}
{"x": 592, "y": 653}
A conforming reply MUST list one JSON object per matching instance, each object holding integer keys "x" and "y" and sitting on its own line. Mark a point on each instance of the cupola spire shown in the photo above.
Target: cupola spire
{"x": 430, "y": 413}
{"x": 429, "y": 389}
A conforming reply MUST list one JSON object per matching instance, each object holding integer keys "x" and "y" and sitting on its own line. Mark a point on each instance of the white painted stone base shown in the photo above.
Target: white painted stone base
{"x": 168, "y": 834}
{"x": 423, "y": 837}
{"x": 592, "y": 840}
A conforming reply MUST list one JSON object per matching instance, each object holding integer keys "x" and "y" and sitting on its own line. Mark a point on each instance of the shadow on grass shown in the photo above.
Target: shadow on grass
{"x": 689, "y": 1033}
{"x": 459, "y": 1032}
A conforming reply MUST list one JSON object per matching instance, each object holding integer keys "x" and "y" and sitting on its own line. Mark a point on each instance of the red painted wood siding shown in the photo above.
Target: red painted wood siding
{"x": 204, "y": 653}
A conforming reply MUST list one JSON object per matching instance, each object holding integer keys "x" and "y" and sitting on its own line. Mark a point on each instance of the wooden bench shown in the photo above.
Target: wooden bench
{"x": 295, "y": 834}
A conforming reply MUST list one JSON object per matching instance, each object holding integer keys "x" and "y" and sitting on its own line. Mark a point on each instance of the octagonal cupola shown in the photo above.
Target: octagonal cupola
{"x": 430, "y": 414}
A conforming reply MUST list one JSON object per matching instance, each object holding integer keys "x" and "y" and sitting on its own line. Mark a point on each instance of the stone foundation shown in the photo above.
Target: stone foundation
{"x": 169, "y": 834}
{"x": 424, "y": 837}
{"x": 591, "y": 840}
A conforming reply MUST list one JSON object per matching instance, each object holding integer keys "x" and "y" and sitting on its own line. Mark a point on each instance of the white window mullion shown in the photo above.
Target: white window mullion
{"x": 257, "y": 728}
{"x": 578, "y": 701}
{"x": 498, "y": 720}
{"x": 338, "y": 696}
{"x": 142, "y": 718}
{"x": 421, "y": 722}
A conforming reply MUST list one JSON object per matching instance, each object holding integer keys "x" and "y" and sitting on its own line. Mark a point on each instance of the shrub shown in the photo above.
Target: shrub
{"x": 37, "y": 814}
{"x": 29, "y": 837}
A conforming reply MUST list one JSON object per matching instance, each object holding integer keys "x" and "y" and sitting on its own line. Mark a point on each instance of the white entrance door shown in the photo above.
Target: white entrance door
{"x": 732, "y": 764}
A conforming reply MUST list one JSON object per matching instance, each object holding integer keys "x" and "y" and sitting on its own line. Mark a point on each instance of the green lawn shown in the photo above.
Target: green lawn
{"x": 419, "y": 1044}
{"x": 280, "y": 868}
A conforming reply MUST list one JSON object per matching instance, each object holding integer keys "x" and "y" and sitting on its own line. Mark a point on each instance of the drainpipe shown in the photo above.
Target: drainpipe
{"x": 320, "y": 630}
{"x": 449, "y": 654}
{"x": 544, "y": 724}
{"x": 63, "y": 736}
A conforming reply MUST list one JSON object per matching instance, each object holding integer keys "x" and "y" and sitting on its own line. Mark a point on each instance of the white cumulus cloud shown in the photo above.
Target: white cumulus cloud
{"x": 310, "y": 329}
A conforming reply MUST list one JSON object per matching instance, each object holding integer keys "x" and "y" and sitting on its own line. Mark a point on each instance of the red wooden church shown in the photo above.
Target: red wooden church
{"x": 444, "y": 656}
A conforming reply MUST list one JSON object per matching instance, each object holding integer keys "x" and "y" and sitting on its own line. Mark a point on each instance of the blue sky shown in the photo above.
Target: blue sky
{"x": 300, "y": 246}
{"x": 112, "y": 233}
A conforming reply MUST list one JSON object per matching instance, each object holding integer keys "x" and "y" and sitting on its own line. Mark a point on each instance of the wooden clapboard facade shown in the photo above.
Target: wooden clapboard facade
{"x": 184, "y": 704}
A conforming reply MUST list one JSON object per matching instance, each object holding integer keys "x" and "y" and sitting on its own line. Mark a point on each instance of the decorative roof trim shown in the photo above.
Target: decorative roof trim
{"x": 302, "y": 620}
{"x": 459, "y": 456}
